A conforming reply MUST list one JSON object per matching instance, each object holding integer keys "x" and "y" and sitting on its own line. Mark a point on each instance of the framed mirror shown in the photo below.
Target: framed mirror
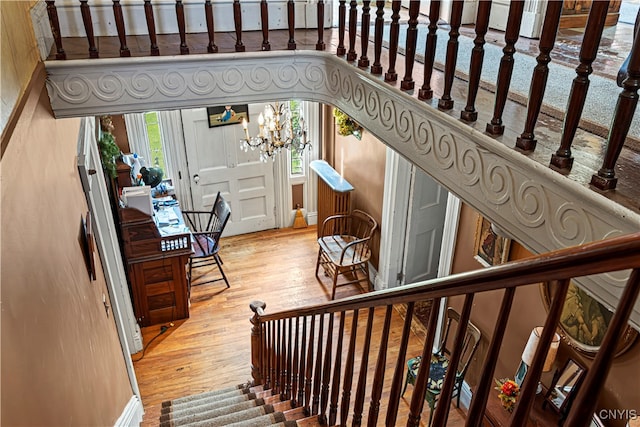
{"x": 564, "y": 387}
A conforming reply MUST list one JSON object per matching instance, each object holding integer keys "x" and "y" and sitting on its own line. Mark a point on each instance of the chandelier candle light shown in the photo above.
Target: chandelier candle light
{"x": 277, "y": 130}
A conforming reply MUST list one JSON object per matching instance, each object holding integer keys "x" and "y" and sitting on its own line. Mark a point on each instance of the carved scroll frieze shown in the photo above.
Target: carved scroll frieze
{"x": 540, "y": 208}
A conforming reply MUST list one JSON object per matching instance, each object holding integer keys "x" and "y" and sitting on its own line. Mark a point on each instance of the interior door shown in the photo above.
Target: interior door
{"x": 217, "y": 163}
{"x": 425, "y": 226}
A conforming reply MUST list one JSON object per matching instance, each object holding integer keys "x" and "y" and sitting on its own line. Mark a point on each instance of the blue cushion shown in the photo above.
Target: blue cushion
{"x": 437, "y": 371}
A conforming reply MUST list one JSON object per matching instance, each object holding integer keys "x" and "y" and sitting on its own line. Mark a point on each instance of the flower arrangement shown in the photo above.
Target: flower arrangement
{"x": 346, "y": 125}
{"x": 508, "y": 393}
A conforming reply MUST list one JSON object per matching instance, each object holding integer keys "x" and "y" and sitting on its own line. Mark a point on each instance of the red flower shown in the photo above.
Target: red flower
{"x": 509, "y": 388}
{"x": 508, "y": 393}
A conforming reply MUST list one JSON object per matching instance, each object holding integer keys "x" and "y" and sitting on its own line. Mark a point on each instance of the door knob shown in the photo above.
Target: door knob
{"x": 196, "y": 178}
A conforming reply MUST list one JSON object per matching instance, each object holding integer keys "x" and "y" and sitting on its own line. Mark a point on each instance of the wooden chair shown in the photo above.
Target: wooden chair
{"x": 206, "y": 228}
{"x": 344, "y": 247}
{"x": 439, "y": 363}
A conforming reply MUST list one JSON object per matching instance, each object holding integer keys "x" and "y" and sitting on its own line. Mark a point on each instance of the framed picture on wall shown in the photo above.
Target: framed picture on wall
{"x": 584, "y": 321}
{"x": 489, "y": 248}
{"x": 227, "y": 114}
{"x": 87, "y": 244}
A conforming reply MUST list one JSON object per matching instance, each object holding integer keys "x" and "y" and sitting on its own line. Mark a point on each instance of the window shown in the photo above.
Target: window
{"x": 154, "y": 135}
{"x": 296, "y": 158}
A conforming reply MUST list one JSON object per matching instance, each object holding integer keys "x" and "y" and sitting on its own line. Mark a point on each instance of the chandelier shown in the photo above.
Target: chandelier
{"x": 278, "y": 129}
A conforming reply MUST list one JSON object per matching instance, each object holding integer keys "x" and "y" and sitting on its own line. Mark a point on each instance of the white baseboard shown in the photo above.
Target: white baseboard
{"x": 465, "y": 395}
{"x": 379, "y": 283}
{"x": 137, "y": 340}
{"x": 132, "y": 413}
{"x": 312, "y": 218}
{"x": 373, "y": 277}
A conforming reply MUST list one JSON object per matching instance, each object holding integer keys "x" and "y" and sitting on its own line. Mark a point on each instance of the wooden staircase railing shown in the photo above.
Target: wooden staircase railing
{"x": 318, "y": 356}
{"x": 562, "y": 159}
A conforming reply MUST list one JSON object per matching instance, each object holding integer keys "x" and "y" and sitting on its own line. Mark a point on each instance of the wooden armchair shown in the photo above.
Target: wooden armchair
{"x": 344, "y": 247}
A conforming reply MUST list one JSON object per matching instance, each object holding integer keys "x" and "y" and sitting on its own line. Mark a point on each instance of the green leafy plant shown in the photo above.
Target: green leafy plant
{"x": 109, "y": 151}
{"x": 346, "y": 125}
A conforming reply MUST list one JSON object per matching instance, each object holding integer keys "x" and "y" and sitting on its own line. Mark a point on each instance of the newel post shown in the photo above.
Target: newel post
{"x": 256, "y": 341}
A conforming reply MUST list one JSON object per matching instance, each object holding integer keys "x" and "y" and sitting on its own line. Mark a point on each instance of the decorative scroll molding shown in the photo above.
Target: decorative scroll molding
{"x": 540, "y": 208}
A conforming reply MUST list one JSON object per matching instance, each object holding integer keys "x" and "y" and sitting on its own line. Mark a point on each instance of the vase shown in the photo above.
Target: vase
{"x": 508, "y": 404}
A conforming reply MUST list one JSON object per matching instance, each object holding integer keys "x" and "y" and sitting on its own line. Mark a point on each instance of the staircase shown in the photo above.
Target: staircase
{"x": 237, "y": 406}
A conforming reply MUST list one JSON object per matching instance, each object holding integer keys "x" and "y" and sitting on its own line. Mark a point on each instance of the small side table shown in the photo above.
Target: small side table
{"x": 496, "y": 416}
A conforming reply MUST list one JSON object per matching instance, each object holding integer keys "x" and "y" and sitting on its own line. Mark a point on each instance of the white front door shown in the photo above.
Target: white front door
{"x": 425, "y": 225}
{"x": 217, "y": 163}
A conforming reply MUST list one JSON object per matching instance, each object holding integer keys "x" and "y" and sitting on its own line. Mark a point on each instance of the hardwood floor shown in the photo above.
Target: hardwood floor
{"x": 211, "y": 349}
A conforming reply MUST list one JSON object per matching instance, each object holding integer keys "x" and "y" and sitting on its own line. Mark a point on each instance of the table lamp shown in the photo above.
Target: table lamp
{"x": 530, "y": 351}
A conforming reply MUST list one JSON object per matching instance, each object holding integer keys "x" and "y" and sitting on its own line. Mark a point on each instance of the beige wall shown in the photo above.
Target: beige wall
{"x": 19, "y": 54}
{"x": 62, "y": 363}
{"x": 362, "y": 163}
{"x": 528, "y": 311}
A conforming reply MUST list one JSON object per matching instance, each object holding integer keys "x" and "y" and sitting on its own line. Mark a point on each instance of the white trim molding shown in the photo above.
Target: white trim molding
{"x": 132, "y": 413}
{"x": 393, "y": 227}
{"x": 540, "y": 208}
{"x": 465, "y": 395}
{"x": 449, "y": 235}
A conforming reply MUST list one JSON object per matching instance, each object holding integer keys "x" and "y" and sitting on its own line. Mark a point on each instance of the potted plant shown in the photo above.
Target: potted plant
{"x": 346, "y": 125}
{"x": 109, "y": 151}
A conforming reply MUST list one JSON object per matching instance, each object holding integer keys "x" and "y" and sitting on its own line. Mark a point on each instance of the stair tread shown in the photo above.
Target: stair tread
{"x": 210, "y": 403}
{"x": 265, "y": 420}
{"x": 295, "y": 414}
{"x": 199, "y": 413}
{"x": 260, "y": 414}
{"x": 282, "y": 406}
{"x": 217, "y": 394}
{"x": 272, "y": 399}
{"x": 311, "y": 421}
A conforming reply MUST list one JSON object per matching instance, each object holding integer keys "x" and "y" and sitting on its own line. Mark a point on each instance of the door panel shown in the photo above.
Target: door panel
{"x": 425, "y": 227}
{"x": 217, "y": 163}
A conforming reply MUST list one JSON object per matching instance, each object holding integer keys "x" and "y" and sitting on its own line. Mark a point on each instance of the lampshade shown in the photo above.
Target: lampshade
{"x": 530, "y": 349}
{"x": 151, "y": 176}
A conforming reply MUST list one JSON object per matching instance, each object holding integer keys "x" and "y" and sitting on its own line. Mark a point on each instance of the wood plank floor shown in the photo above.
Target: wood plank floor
{"x": 211, "y": 349}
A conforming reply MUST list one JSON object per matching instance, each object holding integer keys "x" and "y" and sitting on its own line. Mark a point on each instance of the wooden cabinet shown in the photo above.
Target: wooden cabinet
{"x": 156, "y": 268}
{"x": 496, "y": 416}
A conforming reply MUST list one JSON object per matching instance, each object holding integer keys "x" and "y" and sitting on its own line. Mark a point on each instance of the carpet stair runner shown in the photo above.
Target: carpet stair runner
{"x": 237, "y": 406}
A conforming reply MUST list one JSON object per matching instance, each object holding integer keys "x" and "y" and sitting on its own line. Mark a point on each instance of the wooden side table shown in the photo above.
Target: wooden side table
{"x": 496, "y": 416}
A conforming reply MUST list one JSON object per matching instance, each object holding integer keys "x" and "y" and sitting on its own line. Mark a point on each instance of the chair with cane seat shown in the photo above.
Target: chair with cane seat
{"x": 344, "y": 247}
{"x": 206, "y": 228}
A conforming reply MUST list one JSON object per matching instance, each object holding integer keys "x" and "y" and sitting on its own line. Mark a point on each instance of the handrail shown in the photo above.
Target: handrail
{"x": 319, "y": 378}
{"x": 614, "y": 254}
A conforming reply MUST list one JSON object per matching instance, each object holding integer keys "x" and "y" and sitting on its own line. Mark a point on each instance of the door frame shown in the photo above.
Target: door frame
{"x": 395, "y": 211}
{"x": 393, "y": 226}
{"x": 98, "y": 200}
